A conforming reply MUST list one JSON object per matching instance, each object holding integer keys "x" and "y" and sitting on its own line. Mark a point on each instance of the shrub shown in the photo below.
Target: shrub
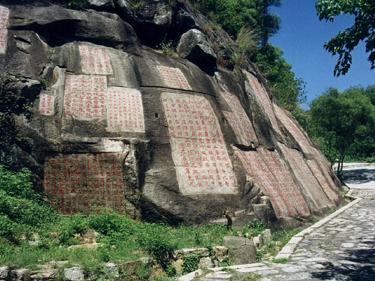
{"x": 76, "y": 224}
{"x": 190, "y": 264}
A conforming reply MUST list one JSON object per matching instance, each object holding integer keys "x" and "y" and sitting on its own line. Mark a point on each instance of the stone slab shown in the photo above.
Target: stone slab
{"x": 80, "y": 182}
{"x": 272, "y": 176}
{"x": 199, "y": 152}
{"x": 264, "y": 100}
{"x": 123, "y": 70}
{"x": 4, "y": 18}
{"x": 293, "y": 129}
{"x": 46, "y": 105}
{"x": 84, "y": 97}
{"x": 173, "y": 77}
{"x": 124, "y": 110}
{"x": 312, "y": 190}
{"x": 238, "y": 120}
{"x": 95, "y": 60}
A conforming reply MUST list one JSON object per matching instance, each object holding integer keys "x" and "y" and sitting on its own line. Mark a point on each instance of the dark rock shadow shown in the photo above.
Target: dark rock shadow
{"x": 356, "y": 265}
{"x": 359, "y": 176}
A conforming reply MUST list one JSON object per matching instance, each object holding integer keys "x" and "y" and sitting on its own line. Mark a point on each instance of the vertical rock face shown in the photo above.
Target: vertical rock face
{"x": 122, "y": 125}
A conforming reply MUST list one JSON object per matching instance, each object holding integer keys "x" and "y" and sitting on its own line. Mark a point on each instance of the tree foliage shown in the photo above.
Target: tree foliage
{"x": 344, "y": 123}
{"x": 345, "y": 41}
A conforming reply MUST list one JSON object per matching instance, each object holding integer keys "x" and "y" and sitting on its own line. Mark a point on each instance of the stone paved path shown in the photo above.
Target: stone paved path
{"x": 341, "y": 250}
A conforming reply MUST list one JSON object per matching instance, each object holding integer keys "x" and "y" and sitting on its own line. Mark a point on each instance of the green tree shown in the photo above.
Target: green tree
{"x": 339, "y": 120}
{"x": 345, "y": 41}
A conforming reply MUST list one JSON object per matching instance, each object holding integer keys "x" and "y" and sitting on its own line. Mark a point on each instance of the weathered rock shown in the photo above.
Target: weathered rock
{"x": 182, "y": 253}
{"x": 181, "y": 145}
{"x": 44, "y": 274}
{"x": 21, "y": 274}
{"x": 266, "y": 236}
{"x": 205, "y": 263}
{"x": 194, "y": 46}
{"x": 112, "y": 269}
{"x": 103, "y": 4}
{"x": 241, "y": 250}
{"x": 220, "y": 253}
{"x": 74, "y": 274}
{"x": 258, "y": 241}
{"x": 4, "y": 272}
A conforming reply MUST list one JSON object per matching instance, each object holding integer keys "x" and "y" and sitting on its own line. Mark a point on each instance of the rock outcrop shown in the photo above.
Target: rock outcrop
{"x": 120, "y": 124}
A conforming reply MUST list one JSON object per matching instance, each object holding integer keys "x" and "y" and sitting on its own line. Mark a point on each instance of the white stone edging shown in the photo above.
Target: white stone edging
{"x": 291, "y": 246}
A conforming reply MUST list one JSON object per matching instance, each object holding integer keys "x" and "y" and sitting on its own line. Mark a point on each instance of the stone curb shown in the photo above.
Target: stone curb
{"x": 291, "y": 246}
{"x": 286, "y": 251}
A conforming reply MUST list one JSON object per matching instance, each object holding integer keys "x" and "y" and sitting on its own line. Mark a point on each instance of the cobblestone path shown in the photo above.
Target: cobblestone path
{"x": 341, "y": 250}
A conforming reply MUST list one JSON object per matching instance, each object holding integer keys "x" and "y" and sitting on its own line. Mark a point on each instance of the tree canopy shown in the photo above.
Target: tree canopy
{"x": 345, "y": 41}
{"x": 343, "y": 123}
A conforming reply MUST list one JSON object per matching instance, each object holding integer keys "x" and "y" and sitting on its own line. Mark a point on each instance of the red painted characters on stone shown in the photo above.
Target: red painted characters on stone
{"x": 199, "y": 152}
{"x": 238, "y": 120}
{"x": 125, "y": 110}
{"x": 173, "y": 77}
{"x": 84, "y": 97}
{"x": 46, "y": 105}
{"x": 4, "y": 18}
{"x": 95, "y": 60}
{"x": 81, "y": 182}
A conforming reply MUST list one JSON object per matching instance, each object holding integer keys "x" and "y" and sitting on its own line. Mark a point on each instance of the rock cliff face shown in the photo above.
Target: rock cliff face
{"x": 177, "y": 137}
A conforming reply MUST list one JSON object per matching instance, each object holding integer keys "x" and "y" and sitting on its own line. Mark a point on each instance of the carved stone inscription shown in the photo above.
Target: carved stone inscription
{"x": 198, "y": 149}
{"x": 311, "y": 187}
{"x": 84, "y": 97}
{"x": 95, "y": 60}
{"x": 272, "y": 176}
{"x": 238, "y": 120}
{"x": 124, "y": 110}
{"x": 46, "y": 105}
{"x": 80, "y": 182}
{"x": 4, "y": 17}
{"x": 293, "y": 129}
{"x": 173, "y": 78}
{"x": 264, "y": 100}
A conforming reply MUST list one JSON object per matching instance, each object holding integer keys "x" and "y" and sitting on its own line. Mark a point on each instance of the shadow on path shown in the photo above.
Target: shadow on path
{"x": 355, "y": 265}
{"x": 359, "y": 176}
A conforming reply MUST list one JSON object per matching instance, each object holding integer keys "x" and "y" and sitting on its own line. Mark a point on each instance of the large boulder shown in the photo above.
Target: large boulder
{"x": 121, "y": 125}
{"x": 195, "y": 47}
{"x": 241, "y": 249}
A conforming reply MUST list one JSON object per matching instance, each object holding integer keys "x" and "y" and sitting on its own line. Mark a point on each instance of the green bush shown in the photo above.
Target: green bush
{"x": 70, "y": 226}
{"x": 190, "y": 264}
{"x": 8, "y": 229}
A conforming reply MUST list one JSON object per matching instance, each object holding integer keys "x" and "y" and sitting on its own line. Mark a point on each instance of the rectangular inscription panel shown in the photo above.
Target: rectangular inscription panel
{"x": 84, "y": 97}
{"x": 95, "y": 60}
{"x": 46, "y": 105}
{"x": 124, "y": 110}
{"x": 199, "y": 153}
{"x": 311, "y": 187}
{"x": 173, "y": 77}
{"x": 238, "y": 120}
{"x": 4, "y": 17}
{"x": 272, "y": 176}
{"x": 264, "y": 99}
{"x": 80, "y": 182}
{"x": 293, "y": 129}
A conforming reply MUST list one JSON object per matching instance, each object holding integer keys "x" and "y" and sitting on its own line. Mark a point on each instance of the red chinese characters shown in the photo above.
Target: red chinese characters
{"x": 4, "y": 17}
{"x": 80, "y": 182}
{"x": 264, "y": 99}
{"x": 199, "y": 153}
{"x": 95, "y": 60}
{"x": 84, "y": 97}
{"x": 238, "y": 120}
{"x": 173, "y": 77}
{"x": 46, "y": 105}
{"x": 268, "y": 171}
{"x": 125, "y": 110}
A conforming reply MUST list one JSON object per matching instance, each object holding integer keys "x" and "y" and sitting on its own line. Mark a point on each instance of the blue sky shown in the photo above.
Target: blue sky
{"x": 302, "y": 37}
